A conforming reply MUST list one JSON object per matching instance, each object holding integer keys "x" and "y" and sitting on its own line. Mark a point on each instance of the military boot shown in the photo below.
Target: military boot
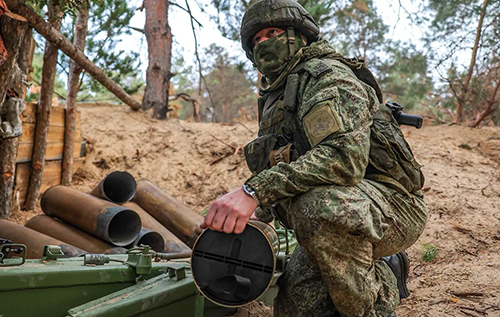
{"x": 400, "y": 266}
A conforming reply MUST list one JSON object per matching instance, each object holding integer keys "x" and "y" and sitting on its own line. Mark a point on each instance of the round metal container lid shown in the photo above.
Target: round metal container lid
{"x": 233, "y": 269}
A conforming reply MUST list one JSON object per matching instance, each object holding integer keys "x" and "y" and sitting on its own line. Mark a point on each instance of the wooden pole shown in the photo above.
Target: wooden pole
{"x": 73, "y": 86}
{"x": 12, "y": 30}
{"x": 43, "y": 109}
{"x": 69, "y": 49}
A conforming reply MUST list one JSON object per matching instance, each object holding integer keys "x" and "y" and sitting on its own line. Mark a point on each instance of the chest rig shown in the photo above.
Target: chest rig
{"x": 278, "y": 139}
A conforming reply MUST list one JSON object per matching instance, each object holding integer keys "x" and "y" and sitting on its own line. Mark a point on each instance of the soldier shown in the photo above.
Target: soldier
{"x": 331, "y": 163}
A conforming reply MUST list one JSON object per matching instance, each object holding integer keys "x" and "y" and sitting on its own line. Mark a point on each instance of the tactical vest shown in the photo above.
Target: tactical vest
{"x": 282, "y": 137}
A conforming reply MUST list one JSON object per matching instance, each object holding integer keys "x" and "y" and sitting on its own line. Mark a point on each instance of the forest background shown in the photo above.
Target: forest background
{"x": 433, "y": 57}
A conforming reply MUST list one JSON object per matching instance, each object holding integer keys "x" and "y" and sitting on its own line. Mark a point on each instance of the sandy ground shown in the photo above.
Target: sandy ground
{"x": 196, "y": 163}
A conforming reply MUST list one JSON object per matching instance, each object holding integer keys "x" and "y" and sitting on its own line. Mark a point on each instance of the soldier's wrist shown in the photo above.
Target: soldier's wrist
{"x": 250, "y": 192}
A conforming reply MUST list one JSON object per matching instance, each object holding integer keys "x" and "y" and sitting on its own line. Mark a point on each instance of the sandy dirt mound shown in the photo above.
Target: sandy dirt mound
{"x": 462, "y": 172}
{"x": 196, "y": 163}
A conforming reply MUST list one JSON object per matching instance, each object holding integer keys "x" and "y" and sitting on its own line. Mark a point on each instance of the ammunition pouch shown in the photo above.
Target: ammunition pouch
{"x": 391, "y": 160}
{"x": 257, "y": 152}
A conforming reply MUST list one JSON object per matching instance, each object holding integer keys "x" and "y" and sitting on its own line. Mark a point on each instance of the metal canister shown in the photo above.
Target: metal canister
{"x": 118, "y": 187}
{"x": 71, "y": 235}
{"x": 234, "y": 269}
{"x": 106, "y": 220}
{"x": 171, "y": 213}
{"x": 34, "y": 240}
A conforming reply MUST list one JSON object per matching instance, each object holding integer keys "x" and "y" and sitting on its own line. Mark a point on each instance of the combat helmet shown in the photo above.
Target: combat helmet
{"x": 278, "y": 13}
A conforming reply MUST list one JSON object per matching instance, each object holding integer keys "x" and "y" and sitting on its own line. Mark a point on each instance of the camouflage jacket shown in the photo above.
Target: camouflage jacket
{"x": 340, "y": 143}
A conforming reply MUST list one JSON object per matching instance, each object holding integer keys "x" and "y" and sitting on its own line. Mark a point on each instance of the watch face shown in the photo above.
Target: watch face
{"x": 248, "y": 190}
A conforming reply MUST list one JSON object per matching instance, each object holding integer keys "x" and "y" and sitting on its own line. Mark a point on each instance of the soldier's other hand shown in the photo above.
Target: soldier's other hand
{"x": 230, "y": 213}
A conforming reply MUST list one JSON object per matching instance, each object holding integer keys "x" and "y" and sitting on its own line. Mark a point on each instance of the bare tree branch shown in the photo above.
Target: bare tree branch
{"x": 137, "y": 29}
{"x": 489, "y": 105}
{"x": 468, "y": 77}
{"x": 184, "y": 9}
{"x": 194, "y": 102}
{"x": 198, "y": 57}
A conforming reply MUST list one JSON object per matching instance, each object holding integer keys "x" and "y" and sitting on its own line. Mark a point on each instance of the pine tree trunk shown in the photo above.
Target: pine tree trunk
{"x": 3, "y": 50}
{"x": 44, "y": 108}
{"x": 465, "y": 88}
{"x": 159, "y": 37}
{"x": 12, "y": 31}
{"x": 69, "y": 49}
{"x": 73, "y": 86}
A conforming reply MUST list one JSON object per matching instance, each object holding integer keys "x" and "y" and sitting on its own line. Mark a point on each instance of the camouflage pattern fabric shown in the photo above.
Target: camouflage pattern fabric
{"x": 344, "y": 230}
{"x": 340, "y": 158}
{"x": 343, "y": 222}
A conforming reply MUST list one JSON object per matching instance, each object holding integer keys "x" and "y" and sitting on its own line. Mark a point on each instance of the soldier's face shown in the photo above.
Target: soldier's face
{"x": 266, "y": 34}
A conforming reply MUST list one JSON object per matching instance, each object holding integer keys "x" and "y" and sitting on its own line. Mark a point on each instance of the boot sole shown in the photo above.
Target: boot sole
{"x": 405, "y": 269}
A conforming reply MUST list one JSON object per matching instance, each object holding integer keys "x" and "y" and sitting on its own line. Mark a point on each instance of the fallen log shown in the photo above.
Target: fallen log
{"x": 62, "y": 43}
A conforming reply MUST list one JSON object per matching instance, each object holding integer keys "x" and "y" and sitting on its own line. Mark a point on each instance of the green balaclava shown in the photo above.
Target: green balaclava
{"x": 272, "y": 56}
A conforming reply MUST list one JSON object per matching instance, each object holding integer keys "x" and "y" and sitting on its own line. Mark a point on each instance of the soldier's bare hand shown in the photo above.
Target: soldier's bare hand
{"x": 230, "y": 213}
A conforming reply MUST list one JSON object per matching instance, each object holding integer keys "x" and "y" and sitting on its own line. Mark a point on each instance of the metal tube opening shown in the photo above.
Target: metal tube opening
{"x": 124, "y": 227}
{"x": 119, "y": 187}
{"x": 151, "y": 238}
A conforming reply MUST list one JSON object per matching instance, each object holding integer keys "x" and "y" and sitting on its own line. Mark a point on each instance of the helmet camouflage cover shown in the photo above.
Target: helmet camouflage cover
{"x": 277, "y": 13}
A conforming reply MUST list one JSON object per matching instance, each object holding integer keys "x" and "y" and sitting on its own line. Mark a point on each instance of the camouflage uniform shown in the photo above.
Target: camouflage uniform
{"x": 343, "y": 221}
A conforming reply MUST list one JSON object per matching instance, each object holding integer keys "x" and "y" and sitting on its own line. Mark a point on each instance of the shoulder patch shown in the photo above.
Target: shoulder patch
{"x": 317, "y": 67}
{"x": 320, "y": 123}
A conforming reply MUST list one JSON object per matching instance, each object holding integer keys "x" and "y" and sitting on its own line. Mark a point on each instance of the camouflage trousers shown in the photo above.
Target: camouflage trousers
{"x": 342, "y": 232}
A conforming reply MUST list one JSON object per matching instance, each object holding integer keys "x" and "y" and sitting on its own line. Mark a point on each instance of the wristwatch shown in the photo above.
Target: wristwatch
{"x": 250, "y": 192}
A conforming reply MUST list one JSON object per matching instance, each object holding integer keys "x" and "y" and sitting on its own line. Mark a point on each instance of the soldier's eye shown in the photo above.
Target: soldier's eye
{"x": 272, "y": 32}
{"x": 256, "y": 40}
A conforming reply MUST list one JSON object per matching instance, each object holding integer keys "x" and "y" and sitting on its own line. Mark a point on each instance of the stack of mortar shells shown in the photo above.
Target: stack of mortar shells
{"x": 118, "y": 213}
